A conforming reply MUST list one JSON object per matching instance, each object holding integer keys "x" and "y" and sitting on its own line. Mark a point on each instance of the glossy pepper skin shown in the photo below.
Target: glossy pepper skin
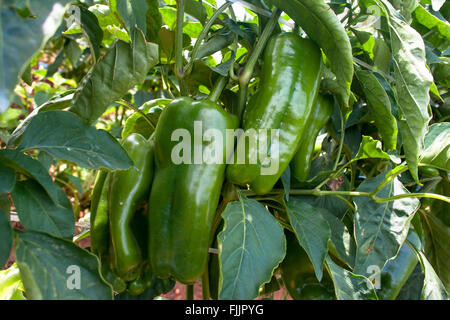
{"x": 298, "y": 274}
{"x": 99, "y": 219}
{"x": 117, "y": 283}
{"x": 289, "y": 86}
{"x": 128, "y": 189}
{"x": 185, "y": 196}
{"x": 137, "y": 286}
{"x": 320, "y": 115}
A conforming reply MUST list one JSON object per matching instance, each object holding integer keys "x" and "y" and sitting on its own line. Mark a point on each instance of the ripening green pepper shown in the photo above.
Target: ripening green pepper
{"x": 99, "y": 219}
{"x": 127, "y": 190}
{"x": 320, "y": 115}
{"x": 298, "y": 274}
{"x": 429, "y": 171}
{"x": 116, "y": 282}
{"x": 288, "y": 91}
{"x": 187, "y": 186}
{"x": 137, "y": 286}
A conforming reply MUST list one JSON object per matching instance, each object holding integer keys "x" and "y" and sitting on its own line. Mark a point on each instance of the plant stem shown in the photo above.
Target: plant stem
{"x": 286, "y": 225}
{"x": 205, "y": 285}
{"x": 412, "y": 195}
{"x": 348, "y": 203}
{"x": 203, "y": 35}
{"x": 246, "y": 75}
{"x": 233, "y": 76}
{"x": 218, "y": 88}
{"x": 218, "y": 217}
{"x": 166, "y": 84}
{"x": 190, "y": 292}
{"x": 126, "y": 104}
{"x": 179, "y": 69}
{"x": 389, "y": 176}
{"x": 318, "y": 193}
{"x": 338, "y": 156}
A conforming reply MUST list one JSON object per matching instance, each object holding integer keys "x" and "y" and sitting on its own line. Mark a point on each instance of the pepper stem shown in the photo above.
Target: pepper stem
{"x": 205, "y": 285}
{"x": 218, "y": 88}
{"x": 190, "y": 292}
{"x": 179, "y": 68}
{"x": 126, "y": 104}
{"x": 203, "y": 35}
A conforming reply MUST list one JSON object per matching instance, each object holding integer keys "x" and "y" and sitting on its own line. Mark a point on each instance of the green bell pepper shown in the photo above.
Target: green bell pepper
{"x": 321, "y": 114}
{"x": 288, "y": 91}
{"x": 185, "y": 192}
{"x": 127, "y": 190}
{"x": 99, "y": 219}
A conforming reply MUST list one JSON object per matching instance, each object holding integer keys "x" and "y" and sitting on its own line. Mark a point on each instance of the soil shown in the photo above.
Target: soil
{"x": 179, "y": 293}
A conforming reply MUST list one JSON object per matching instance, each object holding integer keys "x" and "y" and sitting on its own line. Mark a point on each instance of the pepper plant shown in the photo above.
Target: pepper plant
{"x": 93, "y": 204}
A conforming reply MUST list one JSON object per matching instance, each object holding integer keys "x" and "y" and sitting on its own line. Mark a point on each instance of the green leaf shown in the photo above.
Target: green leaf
{"x": 153, "y": 21}
{"x": 220, "y": 40}
{"x": 396, "y": 272}
{"x": 380, "y": 108}
{"x": 57, "y": 269}
{"x": 37, "y": 211}
{"x": 324, "y": 27}
{"x": 412, "y": 84}
{"x": 133, "y": 14}
{"x": 89, "y": 24}
{"x": 350, "y": 286}
{"x": 405, "y": 7}
{"x": 433, "y": 289}
{"x": 437, "y": 146}
{"x": 8, "y": 178}
{"x": 286, "y": 182}
{"x": 11, "y": 284}
{"x": 21, "y": 38}
{"x": 381, "y": 228}
{"x": 123, "y": 67}
{"x": 381, "y": 56}
{"x": 104, "y": 15}
{"x": 370, "y": 149}
{"x": 67, "y": 137}
{"x": 53, "y": 68}
{"x": 413, "y": 286}
{"x": 196, "y": 10}
{"x": 6, "y": 239}
{"x": 5, "y": 203}
{"x": 251, "y": 245}
{"x": 169, "y": 16}
{"x": 31, "y": 168}
{"x": 331, "y": 204}
{"x": 312, "y": 230}
{"x": 56, "y": 103}
{"x": 64, "y": 178}
{"x": 432, "y": 22}
{"x": 341, "y": 243}
{"x": 437, "y": 243}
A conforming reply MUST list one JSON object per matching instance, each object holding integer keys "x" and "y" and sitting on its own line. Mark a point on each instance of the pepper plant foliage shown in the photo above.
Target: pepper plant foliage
{"x": 372, "y": 217}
